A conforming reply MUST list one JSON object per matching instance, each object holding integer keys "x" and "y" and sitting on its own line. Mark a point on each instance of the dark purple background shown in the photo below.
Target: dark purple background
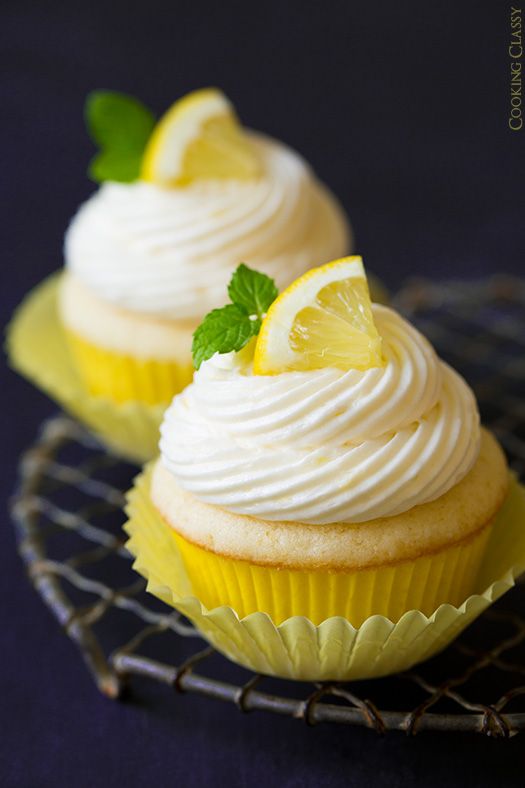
{"x": 402, "y": 108}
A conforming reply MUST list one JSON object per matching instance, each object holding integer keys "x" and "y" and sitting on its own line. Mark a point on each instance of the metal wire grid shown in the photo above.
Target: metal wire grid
{"x": 68, "y": 511}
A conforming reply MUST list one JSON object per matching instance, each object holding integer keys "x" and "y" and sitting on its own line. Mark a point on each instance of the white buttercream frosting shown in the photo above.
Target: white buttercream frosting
{"x": 325, "y": 445}
{"x": 170, "y": 251}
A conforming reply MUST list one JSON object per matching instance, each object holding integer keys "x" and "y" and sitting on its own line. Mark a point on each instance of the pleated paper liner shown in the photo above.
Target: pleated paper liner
{"x": 333, "y": 649}
{"x": 37, "y": 349}
{"x": 123, "y": 378}
{"x": 444, "y": 576}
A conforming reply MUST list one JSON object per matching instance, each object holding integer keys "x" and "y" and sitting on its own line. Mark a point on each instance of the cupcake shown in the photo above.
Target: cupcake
{"x": 181, "y": 203}
{"x": 324, "y": 461}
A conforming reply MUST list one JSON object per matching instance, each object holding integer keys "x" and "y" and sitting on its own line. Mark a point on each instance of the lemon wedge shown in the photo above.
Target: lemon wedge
{"x": 199, "y": 137}
{"x": 324, "y": 319}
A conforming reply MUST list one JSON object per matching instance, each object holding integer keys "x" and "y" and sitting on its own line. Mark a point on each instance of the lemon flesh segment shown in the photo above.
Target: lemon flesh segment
{"x": 221, "y": 151}
{"x": 331, "y": 326}
{"x": 199, "y": 138}
{"x": 338, "y": 331}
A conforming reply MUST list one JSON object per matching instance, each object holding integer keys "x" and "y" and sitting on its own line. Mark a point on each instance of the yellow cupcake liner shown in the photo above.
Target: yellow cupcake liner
{"x": 122, "y": 377}
{"x": 423, "y": 584}
{"x": 37, "y": 349}
{"x": 334, "y": 649}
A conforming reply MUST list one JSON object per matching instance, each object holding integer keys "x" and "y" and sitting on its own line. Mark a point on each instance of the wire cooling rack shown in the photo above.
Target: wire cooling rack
{"x": 68, "y": 512}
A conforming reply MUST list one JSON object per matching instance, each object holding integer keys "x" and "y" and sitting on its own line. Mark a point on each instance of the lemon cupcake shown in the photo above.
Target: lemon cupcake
{"x": 182, "y": 202}
{"x": 330, "y": 464}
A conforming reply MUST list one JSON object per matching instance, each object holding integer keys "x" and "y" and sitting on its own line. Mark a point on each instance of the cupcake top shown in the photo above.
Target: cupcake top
{"x": 323, "y": 441}
{"x": 167, "y": 247}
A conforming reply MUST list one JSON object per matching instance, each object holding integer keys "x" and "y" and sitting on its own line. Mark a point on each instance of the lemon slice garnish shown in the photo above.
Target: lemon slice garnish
{"x": 324, "y": 319}
{"x": 199, "y": 137}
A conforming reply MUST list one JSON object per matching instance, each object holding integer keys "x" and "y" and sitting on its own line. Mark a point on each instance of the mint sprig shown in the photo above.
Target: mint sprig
{"x": 232, "y": 326}
{"x": 222, "y": 331}
{"x": 121, "y": 126}
{"x": 252, "y": 290}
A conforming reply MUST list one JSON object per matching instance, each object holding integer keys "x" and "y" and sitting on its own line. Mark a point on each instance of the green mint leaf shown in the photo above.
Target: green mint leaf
{"x": 110, "y": 165}
{"x": 222, "y": 331}
{"x": 116, "y": 120}
{"x": 252, "y": 290}
{"x": 121, "y": 126}
{"x": 231, "y": 328}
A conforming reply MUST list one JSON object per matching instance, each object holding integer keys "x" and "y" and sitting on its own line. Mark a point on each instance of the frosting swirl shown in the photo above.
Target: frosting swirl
{"x": 170, "y": 252}
{"x": 325, "y": 446}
